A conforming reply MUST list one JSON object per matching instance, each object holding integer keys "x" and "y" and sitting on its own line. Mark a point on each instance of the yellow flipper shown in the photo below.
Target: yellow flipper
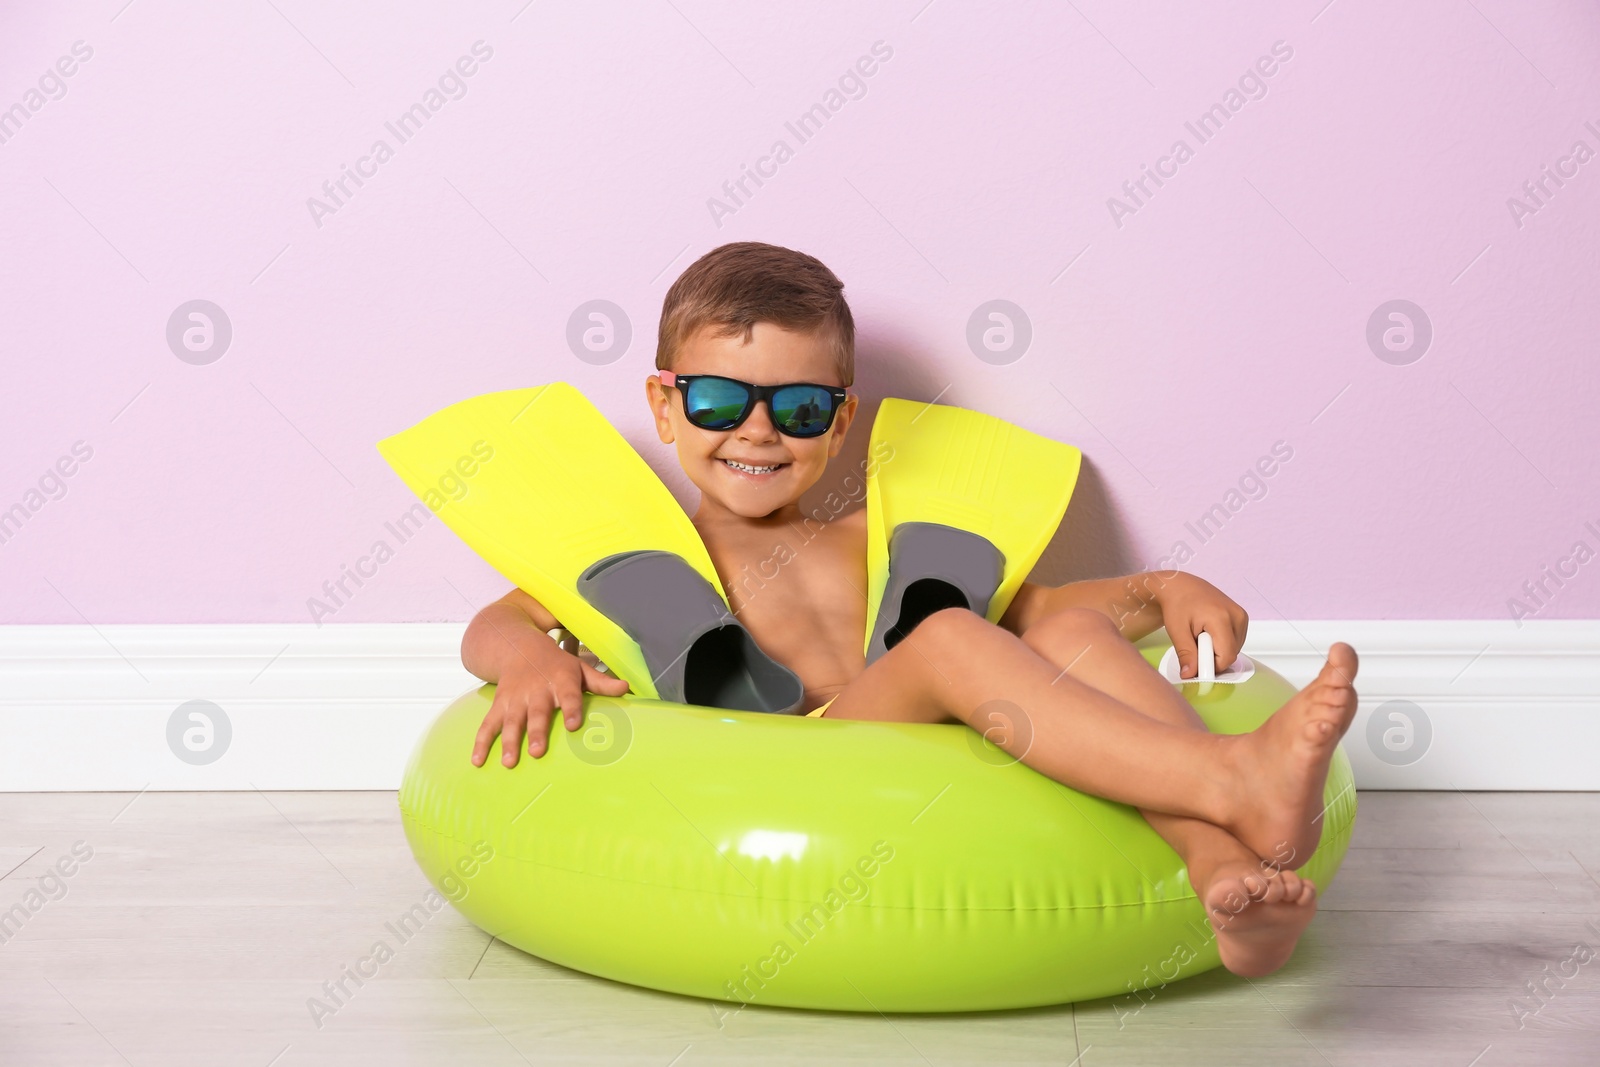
{"x": 969, "y": 471}
{"x": 540, "y": 484}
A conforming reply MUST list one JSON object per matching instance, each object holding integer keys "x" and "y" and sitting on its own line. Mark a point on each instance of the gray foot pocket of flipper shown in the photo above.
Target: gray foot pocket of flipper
{"x": 697, "y": 652}
{"x": 932, "y": 567}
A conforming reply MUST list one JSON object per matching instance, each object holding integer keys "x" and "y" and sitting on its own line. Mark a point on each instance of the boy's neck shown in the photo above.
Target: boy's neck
{"x": 712, "y": 516}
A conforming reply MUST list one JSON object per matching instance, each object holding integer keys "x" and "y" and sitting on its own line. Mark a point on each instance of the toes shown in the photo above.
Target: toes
{"x": 1323, "y": 699}
{"x": 1228, "y": 898}
{"x": 1330, "y": 694}
{"x": 1343, "y": 662}
{"x": 1259, "y": 888}
{"x": 1275, "y": 891}
{"x": 1224, "y": 917}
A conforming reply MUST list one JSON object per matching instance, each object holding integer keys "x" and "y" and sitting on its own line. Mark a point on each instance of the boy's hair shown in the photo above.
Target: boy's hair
{"x": 733, "y": 287}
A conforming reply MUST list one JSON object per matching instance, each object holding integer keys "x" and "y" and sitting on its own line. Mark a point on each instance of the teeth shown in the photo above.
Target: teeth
{"x": 749, "y": 469}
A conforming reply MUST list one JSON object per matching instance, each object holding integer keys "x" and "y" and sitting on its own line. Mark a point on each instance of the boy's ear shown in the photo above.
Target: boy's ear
{"x": 655, "y": 394}
{"x": 841, "y": 424}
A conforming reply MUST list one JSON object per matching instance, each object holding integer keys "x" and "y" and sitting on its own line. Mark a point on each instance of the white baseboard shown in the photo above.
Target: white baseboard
{"x": 1510, "y": 707}
{"x": 339, "y": 707}
{"x": 331, "y": 707}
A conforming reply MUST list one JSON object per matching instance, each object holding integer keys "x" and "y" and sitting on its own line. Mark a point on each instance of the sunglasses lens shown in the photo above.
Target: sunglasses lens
{"x": 715, "y": 403}
{"x": 802, "y": 410}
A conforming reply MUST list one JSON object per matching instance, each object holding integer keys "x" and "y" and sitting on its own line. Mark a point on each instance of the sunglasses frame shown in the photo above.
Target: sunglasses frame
{"x": 755, "y": 395}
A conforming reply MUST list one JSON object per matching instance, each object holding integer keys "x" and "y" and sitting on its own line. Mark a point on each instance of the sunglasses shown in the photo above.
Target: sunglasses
{"x": 798, "y": 409}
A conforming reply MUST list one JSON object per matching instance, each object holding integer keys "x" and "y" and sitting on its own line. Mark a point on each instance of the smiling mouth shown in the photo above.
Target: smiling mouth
{"x": 754, "y": 470}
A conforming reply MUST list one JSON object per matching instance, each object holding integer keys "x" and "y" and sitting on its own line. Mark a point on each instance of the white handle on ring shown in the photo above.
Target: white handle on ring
{"x": 1206, "y": 674}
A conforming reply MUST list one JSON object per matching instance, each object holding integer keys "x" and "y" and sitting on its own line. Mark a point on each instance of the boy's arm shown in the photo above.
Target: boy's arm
{"x": 1118, "y": 599}
{"x": 1141, "y": 603}
{"x": 503, "y": 630}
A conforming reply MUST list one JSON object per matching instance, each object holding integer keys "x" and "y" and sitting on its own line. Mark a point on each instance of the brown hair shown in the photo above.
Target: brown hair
{"x": 735, "y": 286}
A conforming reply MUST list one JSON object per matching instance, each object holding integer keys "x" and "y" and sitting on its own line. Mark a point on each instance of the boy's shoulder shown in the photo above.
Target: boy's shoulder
{"x": 854, "y": 523}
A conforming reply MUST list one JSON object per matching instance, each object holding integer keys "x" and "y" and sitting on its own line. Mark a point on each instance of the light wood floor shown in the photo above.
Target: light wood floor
{"x": 204, "y": 922}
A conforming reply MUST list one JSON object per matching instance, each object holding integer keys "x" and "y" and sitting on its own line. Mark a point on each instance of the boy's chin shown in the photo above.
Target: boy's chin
{"x": 753, "y": 505}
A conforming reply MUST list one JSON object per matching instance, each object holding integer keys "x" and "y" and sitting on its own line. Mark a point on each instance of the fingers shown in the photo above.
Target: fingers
{"x": 1188, "y": 656}
{"x": 486, "y": 735}
{"x": 1227, "y": 638}
{"x": 523, "y": 708}
{"x": 569, "y": 698}
{"x": 511, "y": 730}
{"x": 524, "y": 716}
{"x": 1224, "y": 642}
{"x": 505, "y": 715}
{"x": 538, "y": 729}
{"x": 541, "y": 708}
{"x": 596, "y": 681}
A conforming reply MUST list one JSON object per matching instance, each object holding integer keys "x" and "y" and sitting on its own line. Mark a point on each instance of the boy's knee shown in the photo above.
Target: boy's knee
{"x": 952, "y": 627}
{"x": 1075, "y": 625}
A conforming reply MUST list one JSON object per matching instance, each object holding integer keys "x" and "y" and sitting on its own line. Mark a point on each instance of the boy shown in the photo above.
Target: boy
{"x": 1240, "y": 811}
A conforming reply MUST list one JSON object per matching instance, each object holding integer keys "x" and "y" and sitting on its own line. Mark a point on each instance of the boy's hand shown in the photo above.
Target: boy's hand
{"x": 1190, "y": 605}
{"x": 530, "y": 688}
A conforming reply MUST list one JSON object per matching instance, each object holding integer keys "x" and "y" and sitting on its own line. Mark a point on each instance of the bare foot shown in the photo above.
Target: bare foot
{"x": 1258, "y": 913}
{"x": 1283, "y": 765}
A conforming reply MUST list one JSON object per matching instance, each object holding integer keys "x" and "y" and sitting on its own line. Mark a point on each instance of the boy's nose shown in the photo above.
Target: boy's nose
{"x": 759, "y": 425}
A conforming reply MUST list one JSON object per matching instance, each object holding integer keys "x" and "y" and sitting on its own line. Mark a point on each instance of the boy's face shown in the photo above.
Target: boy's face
{"x": 773, "y": 356}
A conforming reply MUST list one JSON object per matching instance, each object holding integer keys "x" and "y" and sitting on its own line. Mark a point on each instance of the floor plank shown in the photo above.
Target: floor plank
{"x": 210, "y": 928}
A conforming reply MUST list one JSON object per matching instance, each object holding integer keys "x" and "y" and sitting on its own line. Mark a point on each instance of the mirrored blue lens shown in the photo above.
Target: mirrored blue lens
{"x": 802, "y": 410}
{"x": 715, "y": 403}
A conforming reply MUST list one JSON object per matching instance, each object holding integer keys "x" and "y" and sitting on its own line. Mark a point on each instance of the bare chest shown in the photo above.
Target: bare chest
{"x": 800, "y": 591}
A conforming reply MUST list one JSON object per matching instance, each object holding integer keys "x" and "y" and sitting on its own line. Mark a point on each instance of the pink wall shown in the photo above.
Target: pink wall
{"x": 1176, "y": 343}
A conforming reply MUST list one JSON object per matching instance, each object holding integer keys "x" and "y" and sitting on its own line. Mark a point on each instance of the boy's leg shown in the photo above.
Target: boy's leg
{"x": 1258, "y": 907}
{"x": 1264, "y": 787}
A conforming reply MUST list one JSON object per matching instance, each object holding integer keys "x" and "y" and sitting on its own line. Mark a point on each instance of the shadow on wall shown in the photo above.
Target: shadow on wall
{"x": 886, "y": 365}
{"x": 842, "y": 489}
{"x": 1092, "y": 541}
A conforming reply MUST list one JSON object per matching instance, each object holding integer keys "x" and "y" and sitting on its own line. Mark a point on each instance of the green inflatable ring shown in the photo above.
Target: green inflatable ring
{"x": 814, "y": 863}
